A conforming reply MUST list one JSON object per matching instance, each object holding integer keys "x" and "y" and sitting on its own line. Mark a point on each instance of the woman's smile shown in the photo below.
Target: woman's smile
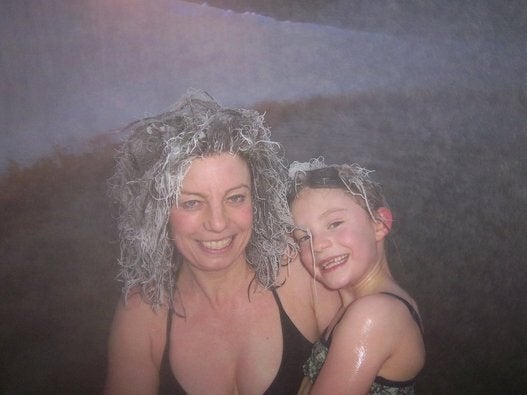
{"x": 217, "y": 245}
{"x": 212, "y": 223}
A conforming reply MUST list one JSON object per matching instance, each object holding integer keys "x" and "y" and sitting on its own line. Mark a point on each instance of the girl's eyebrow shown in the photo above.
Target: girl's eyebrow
{"x": 332, "y": 211}
{"x": 230, "y": 190}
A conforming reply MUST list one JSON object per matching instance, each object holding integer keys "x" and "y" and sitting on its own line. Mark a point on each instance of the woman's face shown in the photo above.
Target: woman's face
{"x": 345, "y": 242}
{"x": 212, "y": 223}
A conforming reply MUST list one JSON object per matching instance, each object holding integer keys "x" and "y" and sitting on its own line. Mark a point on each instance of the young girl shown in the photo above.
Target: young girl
{"x": 374, "y": 345}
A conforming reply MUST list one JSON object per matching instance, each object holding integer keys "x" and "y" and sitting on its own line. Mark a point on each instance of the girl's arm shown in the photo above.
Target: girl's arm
{"x": 364, "y": 340}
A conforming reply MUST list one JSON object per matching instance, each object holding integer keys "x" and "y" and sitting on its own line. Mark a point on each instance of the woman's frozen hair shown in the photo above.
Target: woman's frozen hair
{"x": 151, "y": 166}
{"x": 353, "y": 178}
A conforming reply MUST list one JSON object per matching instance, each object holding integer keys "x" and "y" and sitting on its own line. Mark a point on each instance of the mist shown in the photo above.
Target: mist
{"x": 437, "y": 108}
{"x": 73, "y": 70}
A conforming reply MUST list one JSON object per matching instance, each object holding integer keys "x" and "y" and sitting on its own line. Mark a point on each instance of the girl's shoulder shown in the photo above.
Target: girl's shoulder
{"x": 381, "y": 301}
{"x": 380, "y": 325}
{"x": 381, "y": 312}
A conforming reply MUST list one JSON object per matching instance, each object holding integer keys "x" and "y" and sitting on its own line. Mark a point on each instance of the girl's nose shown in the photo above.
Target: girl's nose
{"x": 320, "y": 242}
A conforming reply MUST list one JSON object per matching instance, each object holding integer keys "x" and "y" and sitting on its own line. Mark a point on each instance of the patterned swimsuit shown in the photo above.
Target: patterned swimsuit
{"x": 381, "y": 386}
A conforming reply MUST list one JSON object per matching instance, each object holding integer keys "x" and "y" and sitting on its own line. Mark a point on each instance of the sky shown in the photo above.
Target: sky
{"x": 74, "y": 69}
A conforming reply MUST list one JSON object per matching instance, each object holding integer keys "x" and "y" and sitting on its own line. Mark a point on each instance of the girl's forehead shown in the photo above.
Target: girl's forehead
{"x": 325, "y": 200}
{"x": 326, "y": 195}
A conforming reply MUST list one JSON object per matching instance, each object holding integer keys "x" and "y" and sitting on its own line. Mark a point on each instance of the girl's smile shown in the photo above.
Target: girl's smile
{"x": 328, "y": 264}
{"x": 341, "y": 238}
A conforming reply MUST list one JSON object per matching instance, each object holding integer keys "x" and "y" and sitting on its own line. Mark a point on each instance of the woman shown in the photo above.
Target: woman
{"x": 211, "y": 304}
{"x": 374, "y": 344}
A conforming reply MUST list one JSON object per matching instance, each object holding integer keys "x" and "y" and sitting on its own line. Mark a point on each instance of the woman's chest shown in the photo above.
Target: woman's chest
{"x": 239, "y": 352}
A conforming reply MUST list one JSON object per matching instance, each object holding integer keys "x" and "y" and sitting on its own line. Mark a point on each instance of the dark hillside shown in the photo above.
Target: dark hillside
{"x": 57, "y": 255}
{"x": 454, "y": 171}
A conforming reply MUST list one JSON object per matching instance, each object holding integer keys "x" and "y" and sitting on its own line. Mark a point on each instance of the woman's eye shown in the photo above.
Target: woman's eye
{"x": 237, "y": 198}
{"x": 190, "y": 204}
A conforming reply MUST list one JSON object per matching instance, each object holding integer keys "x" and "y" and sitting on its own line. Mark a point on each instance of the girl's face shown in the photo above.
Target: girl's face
{"x": 212, "y": 224}
{"x": 345, "y": 242}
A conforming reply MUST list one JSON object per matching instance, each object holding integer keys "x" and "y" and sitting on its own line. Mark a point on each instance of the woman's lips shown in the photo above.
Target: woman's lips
{"x": 217, "y": 245}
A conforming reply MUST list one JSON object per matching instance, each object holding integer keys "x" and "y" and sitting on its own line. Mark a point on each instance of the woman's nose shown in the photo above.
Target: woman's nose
{"x": 217, "y": 219}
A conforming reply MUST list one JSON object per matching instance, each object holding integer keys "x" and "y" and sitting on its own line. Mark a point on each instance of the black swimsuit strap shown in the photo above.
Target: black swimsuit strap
{"x": 167, "y": 382}
{"x": 413, "y": 311}
{"x": 167, "y": 333}
{"x": 295, "y": 350}
{"x": 278, "y": 301}
{"x": 325, "y": 338}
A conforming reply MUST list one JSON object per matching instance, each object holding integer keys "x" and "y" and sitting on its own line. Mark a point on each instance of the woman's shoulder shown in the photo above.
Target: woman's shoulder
{"x": 138, "y": 326}
{"x": 136, "y": 345}
{"x": 135, "y": 308}
{"x": 306, "y": 299}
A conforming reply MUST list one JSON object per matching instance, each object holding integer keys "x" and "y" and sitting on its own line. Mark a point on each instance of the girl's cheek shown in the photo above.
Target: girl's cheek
{"x": 307, "y": 259}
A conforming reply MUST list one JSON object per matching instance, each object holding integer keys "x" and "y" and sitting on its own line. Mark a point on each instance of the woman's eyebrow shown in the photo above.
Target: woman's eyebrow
{"x": 241, "y": 186}
{"x": 238, "y": 187}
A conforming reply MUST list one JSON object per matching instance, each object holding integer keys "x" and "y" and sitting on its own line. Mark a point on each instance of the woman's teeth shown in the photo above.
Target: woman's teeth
{"x": 217, "y": 244}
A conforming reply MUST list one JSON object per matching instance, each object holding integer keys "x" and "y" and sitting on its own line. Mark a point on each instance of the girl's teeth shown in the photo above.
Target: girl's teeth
{"x": 334, "y": 262}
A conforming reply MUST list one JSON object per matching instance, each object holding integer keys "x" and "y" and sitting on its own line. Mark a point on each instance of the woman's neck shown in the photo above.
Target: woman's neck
{"x": 216, "y": 287}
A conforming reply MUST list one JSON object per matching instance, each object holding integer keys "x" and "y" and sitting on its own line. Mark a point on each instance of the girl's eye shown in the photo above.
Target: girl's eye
{"x": 335, "y": 224}
{"x": 303, "y": 239}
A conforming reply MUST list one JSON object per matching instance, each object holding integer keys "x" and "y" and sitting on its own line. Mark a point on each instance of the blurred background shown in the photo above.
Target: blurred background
{"x": 432, "y": 95}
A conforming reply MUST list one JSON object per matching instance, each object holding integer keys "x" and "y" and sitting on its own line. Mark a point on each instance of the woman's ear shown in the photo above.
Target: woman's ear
{"x": 384, "y": 221}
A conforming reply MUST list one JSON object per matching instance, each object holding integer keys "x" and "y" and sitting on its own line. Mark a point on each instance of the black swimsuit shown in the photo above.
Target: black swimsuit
{"x": 296, "y": 349}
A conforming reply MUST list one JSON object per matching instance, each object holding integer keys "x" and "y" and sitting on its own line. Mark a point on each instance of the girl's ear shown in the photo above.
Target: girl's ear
{"x": 384, "y": 221}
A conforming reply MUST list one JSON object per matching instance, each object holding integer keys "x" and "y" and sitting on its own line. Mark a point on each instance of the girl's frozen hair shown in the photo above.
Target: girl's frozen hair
{"x": 353, "y": 178}
{"x": 151, "y": 166}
